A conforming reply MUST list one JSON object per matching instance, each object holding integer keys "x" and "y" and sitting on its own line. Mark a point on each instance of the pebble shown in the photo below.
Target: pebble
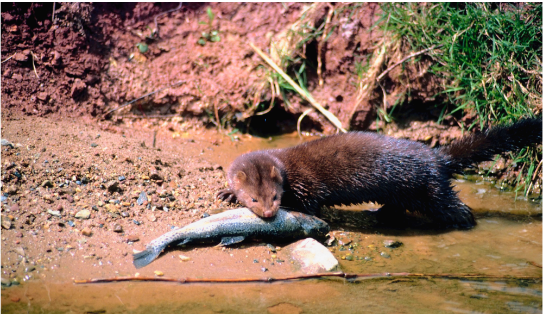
{"x": 392, "y": 244}
{"x": 271, "y": 248}
{"x": 11, "y": 190}
{"x": 5, "y": 282}
{"x": 184, "y": 258}
{"x": 86, "y": 232}
{"x": 142, "y": 198}
{"x": 312, "y": 256}
{"x": 14, "y": 208}
{"x": 385, "y": 255}
{"x": 6, "y": 224}
{"x": 83, "y": 214}
{"x": 113, "y": 187}
{"x": 158, "y": 273}
{"x": 54, "y": 213}
{"x": 118, "y": 228}
{"x": 112, "y": 208}
{"x": 125, "y": 214}
{"x": 7, "y": 143}
{"x": 30, "y": 269}
{"x": 93, "y": 145}
{"x": 47, "y": 184}
{"x": 132, "y": 238}
{"x": 151, "y": 217}
{"x": 48, "y": 198}
{"x": 154, "y": 174}
{"x": 122, "y": 178}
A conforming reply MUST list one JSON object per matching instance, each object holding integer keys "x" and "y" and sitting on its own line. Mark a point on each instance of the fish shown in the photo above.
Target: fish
{"x": 234, "y": 226}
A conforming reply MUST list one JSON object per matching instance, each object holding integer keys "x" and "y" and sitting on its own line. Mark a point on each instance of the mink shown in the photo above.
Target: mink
{"x": 357, "y": 167}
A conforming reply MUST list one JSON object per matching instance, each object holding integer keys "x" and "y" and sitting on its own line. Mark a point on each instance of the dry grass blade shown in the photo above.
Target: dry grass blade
{"x": 332, "y": 118}
{"x": 380, "y": 77}
{"x": 308, "y": 111}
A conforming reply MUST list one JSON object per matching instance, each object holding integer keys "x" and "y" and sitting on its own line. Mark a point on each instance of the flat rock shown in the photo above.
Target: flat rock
{"x": 83, "y": 214}
{"x": 312, "y": 256}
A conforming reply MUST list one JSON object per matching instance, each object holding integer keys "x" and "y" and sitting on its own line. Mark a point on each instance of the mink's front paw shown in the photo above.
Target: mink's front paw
{"x": 227, "y": 195}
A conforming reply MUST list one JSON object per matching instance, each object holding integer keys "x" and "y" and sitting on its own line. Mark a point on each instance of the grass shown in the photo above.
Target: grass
{"x": 489, "y": 61}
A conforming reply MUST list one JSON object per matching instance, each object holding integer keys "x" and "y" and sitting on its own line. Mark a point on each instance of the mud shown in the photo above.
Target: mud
{"x": 44, "y": 252}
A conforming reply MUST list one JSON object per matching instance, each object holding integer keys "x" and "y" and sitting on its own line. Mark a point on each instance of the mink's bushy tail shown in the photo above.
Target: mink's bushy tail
{"x": 483, "y": 146}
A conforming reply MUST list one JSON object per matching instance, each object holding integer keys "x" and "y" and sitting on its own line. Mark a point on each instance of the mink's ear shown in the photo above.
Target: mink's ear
{"x": 240, "y": 177}
{"x": 276, "y": 175}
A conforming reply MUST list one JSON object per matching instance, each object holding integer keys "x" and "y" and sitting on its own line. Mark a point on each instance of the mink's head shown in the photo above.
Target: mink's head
{"x": 257, "y": 180}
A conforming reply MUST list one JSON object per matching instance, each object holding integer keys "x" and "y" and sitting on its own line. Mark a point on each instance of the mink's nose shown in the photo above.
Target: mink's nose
{"x": 267, "y": 214}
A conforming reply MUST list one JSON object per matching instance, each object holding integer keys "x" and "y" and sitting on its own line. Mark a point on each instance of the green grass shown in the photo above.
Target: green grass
{"x": 490, "y": 58}
{"x": 489, "y": 61}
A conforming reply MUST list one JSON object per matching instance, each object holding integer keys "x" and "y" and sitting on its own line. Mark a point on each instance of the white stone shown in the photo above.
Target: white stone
{"x": 312, "y": 256}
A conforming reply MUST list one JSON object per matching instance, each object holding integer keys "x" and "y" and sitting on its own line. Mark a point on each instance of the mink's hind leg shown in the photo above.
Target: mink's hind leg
{"x": 453, "y": 214}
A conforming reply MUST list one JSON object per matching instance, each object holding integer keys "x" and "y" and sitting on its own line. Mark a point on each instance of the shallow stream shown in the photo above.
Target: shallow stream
{"x": 506, "y": 245}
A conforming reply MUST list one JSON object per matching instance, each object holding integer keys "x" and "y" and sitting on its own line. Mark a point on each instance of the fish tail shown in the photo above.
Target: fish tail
{"x": 146, "y": 256}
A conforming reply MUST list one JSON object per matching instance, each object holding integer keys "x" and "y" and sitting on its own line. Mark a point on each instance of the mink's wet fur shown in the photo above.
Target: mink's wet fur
{"x": 357, "y": 167}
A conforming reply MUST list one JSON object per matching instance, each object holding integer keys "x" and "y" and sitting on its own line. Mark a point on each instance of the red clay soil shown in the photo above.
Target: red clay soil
{"x": 87, "y": 61}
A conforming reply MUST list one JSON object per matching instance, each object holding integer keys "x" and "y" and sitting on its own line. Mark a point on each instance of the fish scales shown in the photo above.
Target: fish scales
{"x": 234, "y": 226}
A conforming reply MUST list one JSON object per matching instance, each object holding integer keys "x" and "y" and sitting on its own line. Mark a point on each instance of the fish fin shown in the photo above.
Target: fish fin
{"x": 185, "y": 241}
{"x": 225, "y": 241}
{"x": 145, "y": 257}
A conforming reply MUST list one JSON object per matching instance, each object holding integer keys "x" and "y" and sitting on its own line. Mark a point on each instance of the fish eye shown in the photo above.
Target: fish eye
{"x": 254, "y": 201}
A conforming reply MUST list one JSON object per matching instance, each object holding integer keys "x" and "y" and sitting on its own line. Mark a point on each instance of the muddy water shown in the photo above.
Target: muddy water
{"x": 506, "y": 242}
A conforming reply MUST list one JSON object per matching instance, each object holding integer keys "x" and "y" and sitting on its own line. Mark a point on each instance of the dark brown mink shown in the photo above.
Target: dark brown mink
{"x": 357, "y": 167}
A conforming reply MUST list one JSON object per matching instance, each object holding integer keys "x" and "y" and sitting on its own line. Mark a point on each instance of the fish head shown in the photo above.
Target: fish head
{"x": 258, "y": 185}
{"x": 312, "y": 226}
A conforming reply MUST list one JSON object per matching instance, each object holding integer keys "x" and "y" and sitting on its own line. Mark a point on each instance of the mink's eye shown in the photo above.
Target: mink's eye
{"x": 275, "y": 197}
{"x": 254, "y": 201}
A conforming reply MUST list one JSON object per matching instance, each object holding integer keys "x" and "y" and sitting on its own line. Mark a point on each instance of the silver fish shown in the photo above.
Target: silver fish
{"x": 234, "y": 226}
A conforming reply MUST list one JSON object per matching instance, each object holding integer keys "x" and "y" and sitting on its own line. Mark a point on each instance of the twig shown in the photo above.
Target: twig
{"x": 321, "y": 43}
{"x": 148, "y": 94}
{"x": 53, "y": 18}
{"x": 9, "y": 58}
{"x": 155, "y": 31}
{"x": 308, "y": 111}
{"x": 313, "y": 276}
{"x": 332, "y": 118}
{"x": 33, "y": 65}
{"x": 405, "y": 59}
